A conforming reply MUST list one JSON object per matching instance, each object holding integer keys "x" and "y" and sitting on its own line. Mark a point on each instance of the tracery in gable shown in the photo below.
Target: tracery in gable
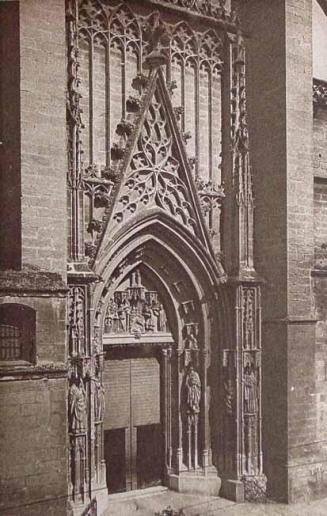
{"x": 112, "y": 47}
{"x": 113, "y": 42}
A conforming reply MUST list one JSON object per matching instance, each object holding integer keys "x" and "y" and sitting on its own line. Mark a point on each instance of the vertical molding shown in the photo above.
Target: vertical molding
{"x": 91, "y": 100}
{"x": 75, "y": 124}
{"x": 210, "y": 124}
{"x": 244, "y": 477}
{"x": 108, "y": 109}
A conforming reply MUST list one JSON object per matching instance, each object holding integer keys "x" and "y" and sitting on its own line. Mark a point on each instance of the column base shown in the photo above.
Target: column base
{"x": 232, "y": 490}
{"x": 255, "y": 488}
{"x": 193, "y": 482}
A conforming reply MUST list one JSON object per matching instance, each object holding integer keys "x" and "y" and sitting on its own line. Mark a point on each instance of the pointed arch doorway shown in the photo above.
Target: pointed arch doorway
{"x": 157, "y": 322}
{"x": 137, "y": 339}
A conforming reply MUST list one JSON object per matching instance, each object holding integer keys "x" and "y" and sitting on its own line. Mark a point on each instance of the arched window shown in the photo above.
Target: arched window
{"x": 17, "y": 333}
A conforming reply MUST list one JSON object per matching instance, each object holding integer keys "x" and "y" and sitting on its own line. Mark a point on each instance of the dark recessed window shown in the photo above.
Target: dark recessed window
{"x": 17, "y": 333}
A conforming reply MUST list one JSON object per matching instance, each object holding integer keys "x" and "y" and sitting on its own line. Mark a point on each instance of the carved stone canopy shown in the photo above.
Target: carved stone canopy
{"x": 135, "y": 310}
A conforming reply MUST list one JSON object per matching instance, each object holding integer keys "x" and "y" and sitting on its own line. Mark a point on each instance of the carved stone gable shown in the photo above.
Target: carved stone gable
{"x": 154, "y": 178}
{"x": 149, "y": 160}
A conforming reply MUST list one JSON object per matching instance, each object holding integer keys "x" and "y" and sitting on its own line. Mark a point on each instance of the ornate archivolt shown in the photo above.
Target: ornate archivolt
{"x": 172, "y": 319}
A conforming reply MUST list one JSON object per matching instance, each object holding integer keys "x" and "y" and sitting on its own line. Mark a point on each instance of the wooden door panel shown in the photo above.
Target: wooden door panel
{"x": 145, "y": 391}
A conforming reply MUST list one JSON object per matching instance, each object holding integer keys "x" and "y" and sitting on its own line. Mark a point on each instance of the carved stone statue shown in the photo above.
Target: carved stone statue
{"x": 229, "y": 396}
{"x": 193, "y": 391}
{"x": 162, "y": 319}
{"x": 77, "y": 406}
{"x": 250, "y": 390}
{"x": 99, "y": 400}
{"x": 149, "y": 318}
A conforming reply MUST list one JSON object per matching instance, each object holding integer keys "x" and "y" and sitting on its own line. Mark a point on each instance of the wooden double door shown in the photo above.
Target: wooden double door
{"x": 133, "y": 436}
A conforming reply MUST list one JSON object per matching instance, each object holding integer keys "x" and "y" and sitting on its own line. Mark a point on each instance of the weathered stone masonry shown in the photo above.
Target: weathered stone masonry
{"x": 163, "y": 248}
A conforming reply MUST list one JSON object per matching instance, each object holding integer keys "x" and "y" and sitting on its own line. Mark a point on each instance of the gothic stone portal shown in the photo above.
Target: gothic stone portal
{"x": 154, "y": 423}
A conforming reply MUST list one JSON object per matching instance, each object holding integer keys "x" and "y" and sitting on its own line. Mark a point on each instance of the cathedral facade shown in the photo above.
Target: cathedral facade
{"x": 163, "y": 251}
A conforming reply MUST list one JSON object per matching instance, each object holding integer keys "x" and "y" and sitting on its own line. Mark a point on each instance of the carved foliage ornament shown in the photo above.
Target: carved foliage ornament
{"x": 213, "y": 8}
{"x": 99, "y": 12}
{"x": 242, "y": 179}
{"x": 76, "y": 321}
{"x": 248, "y": 306}
{"x": 74, "y": 118}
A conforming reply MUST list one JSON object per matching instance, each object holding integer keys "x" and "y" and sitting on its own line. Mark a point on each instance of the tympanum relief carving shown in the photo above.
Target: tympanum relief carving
{"x": 135, "y": 310}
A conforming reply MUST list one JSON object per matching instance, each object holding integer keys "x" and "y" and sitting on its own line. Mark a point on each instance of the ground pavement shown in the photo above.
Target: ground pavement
{"x": 151, "y": 501}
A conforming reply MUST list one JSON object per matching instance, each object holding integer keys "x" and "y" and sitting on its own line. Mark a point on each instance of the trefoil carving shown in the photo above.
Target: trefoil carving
{"x": 211, "y": 195}
{"x": 153, "y": 178}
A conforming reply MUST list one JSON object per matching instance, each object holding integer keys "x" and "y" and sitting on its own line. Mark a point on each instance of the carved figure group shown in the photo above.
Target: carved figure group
{"x": 135, "y": 310}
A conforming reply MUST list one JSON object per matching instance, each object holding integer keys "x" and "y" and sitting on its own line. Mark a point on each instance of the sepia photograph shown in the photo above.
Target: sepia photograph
{"x": 163, "y": 257}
